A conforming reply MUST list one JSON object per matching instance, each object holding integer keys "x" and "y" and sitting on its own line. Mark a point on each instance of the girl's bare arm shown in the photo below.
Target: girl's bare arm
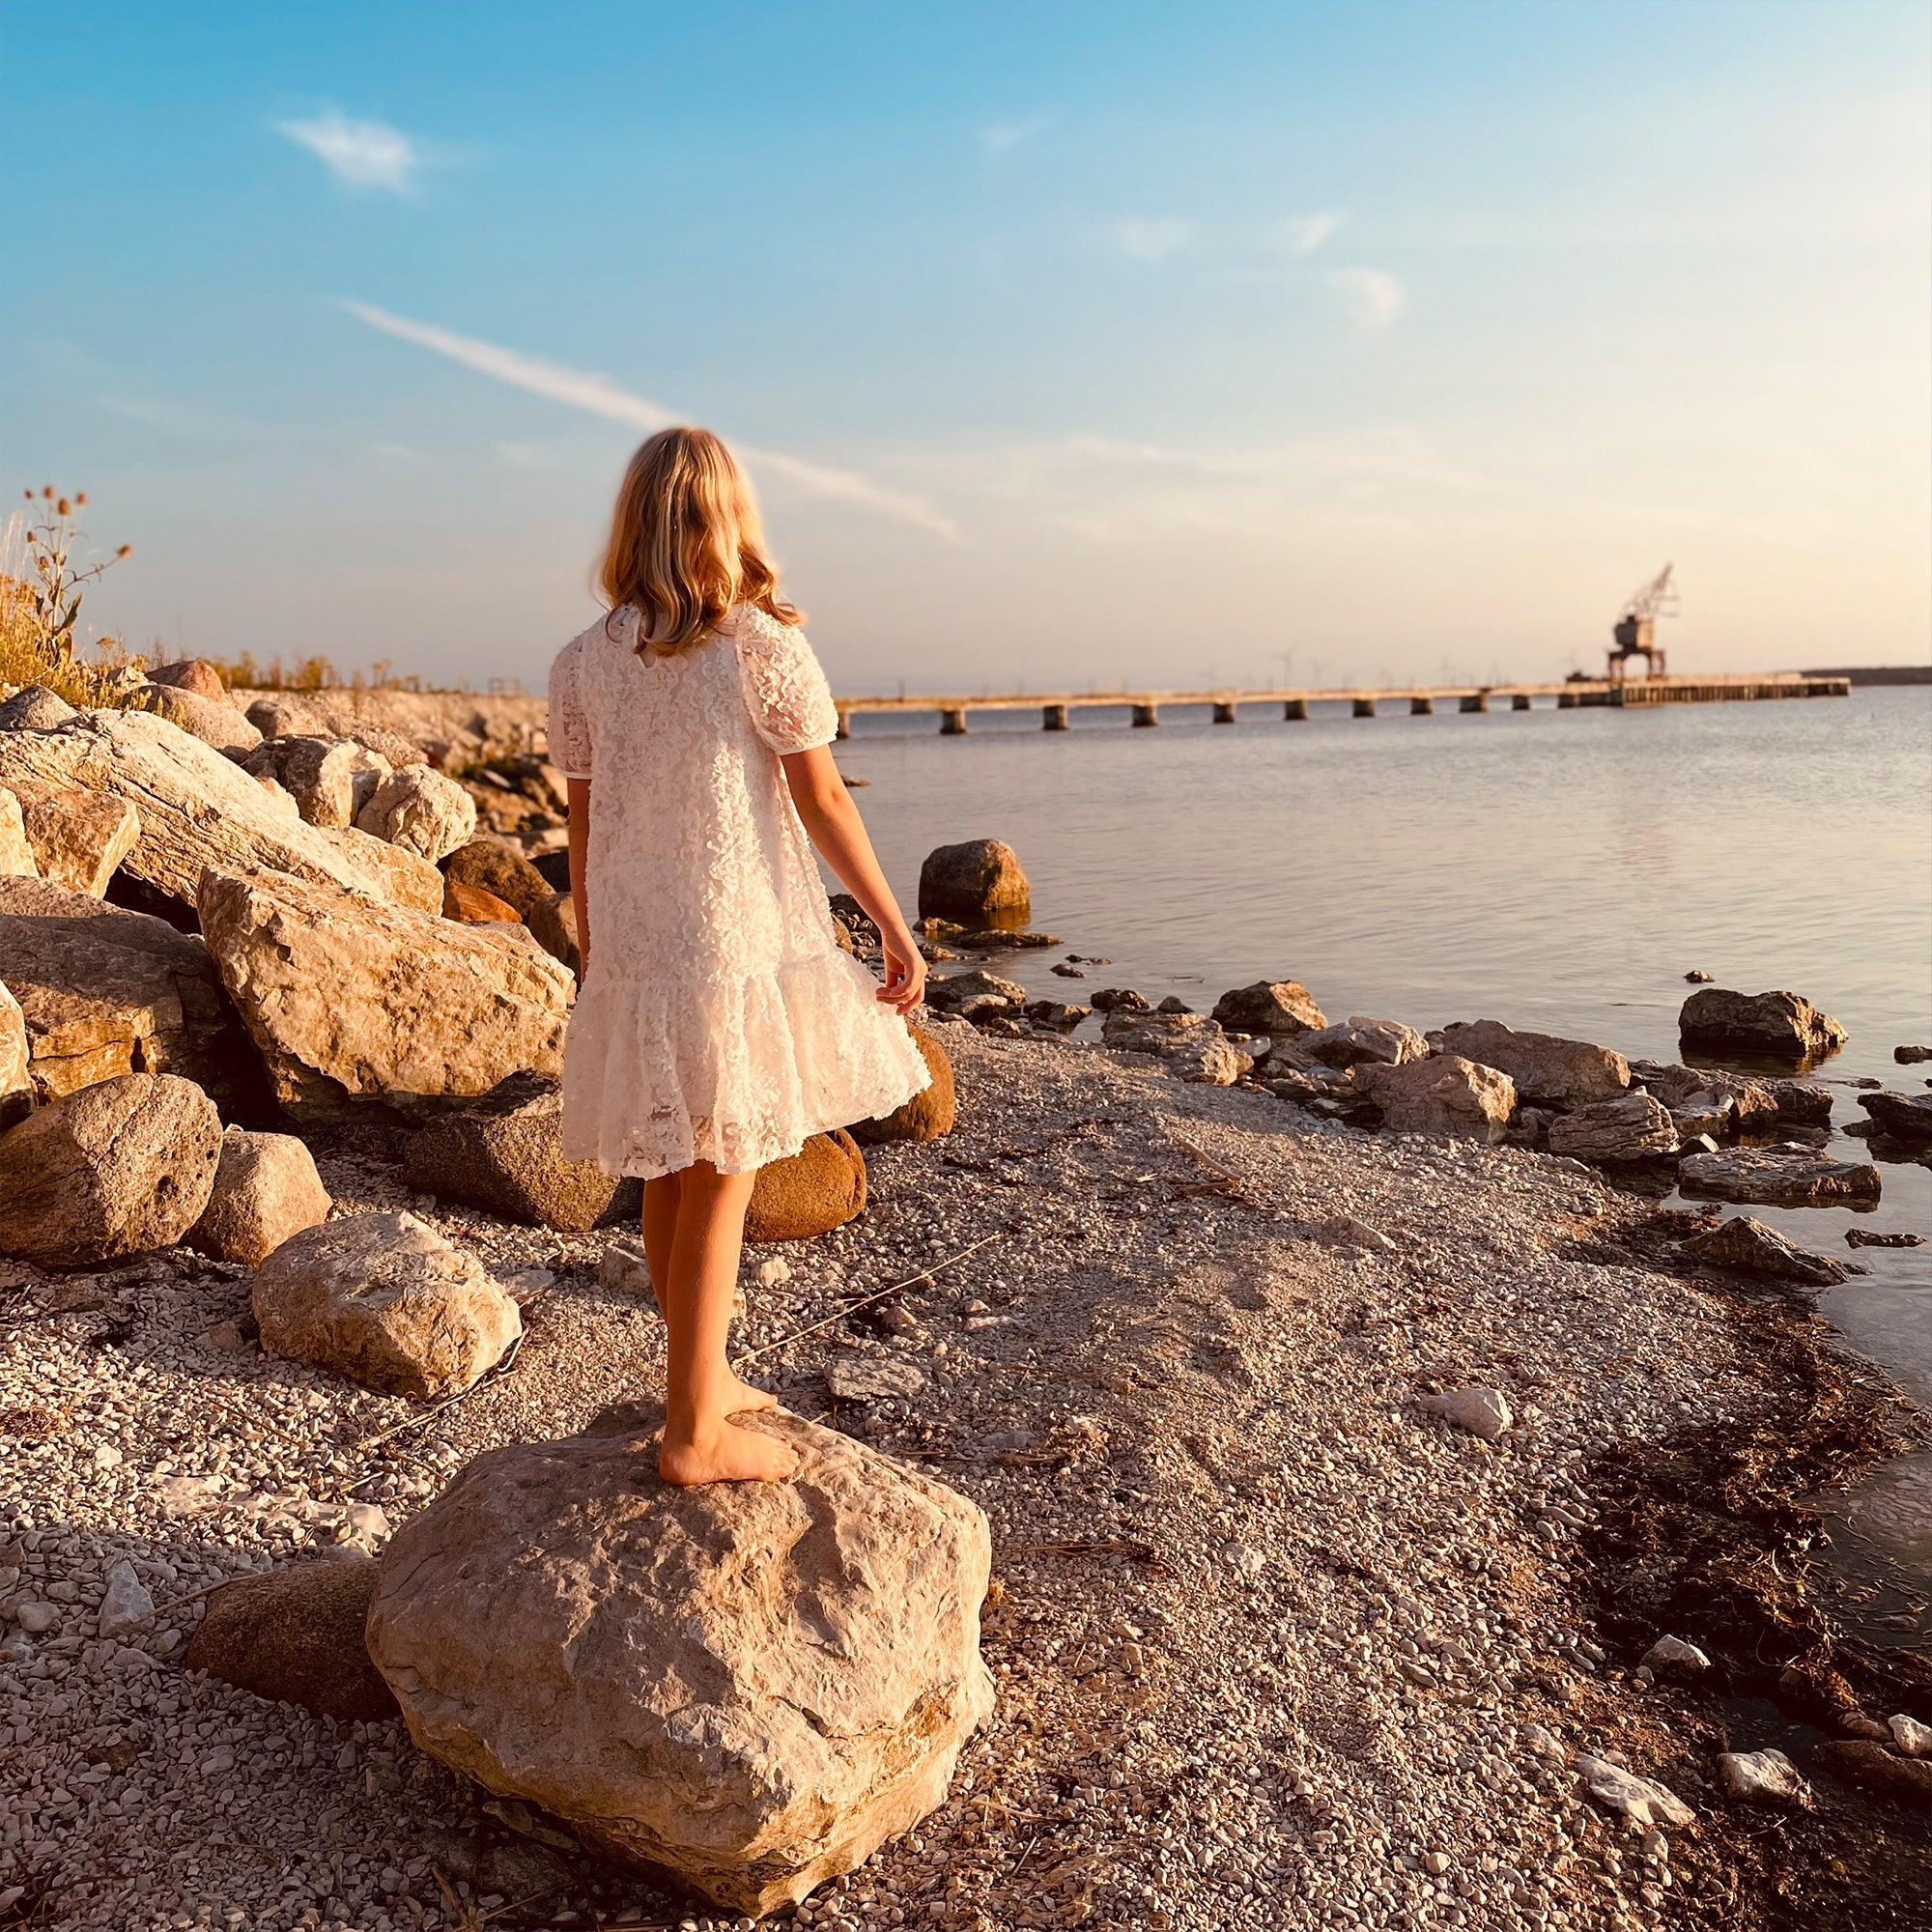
{"x": 578, "y": 804}
{"x": 834, "y": 826}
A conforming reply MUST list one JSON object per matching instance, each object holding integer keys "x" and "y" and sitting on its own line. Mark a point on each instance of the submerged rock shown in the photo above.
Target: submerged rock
{"x": 1443, "y": 1094}
{"x": 749, "y": 1685}
{"x": 1907, "y": 1116}
{"x": 386, "y": 1301}
{"x": 1781, "y": 1026}
{"x": 1546, "y": 1068}
{"x": 1777, "y": 1176}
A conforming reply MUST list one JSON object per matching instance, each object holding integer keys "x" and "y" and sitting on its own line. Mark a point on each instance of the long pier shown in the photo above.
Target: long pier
{"x": 1056, "y": 708}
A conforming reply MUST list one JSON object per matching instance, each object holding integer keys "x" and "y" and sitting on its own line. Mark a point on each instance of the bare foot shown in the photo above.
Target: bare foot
{"x": 741, "y": 1398}
{"x": 731, "y": 1456}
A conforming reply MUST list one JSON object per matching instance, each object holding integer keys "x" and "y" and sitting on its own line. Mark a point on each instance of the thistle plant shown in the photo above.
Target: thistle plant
{"x": 52, "y": 581}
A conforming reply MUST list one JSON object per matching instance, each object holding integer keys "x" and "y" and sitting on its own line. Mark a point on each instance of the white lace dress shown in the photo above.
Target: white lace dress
{"x": 720, "y": 1020}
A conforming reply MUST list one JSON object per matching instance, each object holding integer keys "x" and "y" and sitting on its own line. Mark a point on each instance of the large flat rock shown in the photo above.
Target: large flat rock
{"x": 749, "y": 1685}
{"x": 351, "y": 1000}
{"x": 1547, "y": 1069}
{"x": 1789, "y": 1176}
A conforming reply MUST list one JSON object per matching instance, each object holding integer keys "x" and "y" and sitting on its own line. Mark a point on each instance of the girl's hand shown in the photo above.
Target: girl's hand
{"x": 906, "y": 974}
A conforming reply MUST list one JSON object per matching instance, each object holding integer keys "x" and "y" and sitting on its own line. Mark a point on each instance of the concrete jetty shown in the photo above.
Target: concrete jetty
{"x": 1144, "y": 707}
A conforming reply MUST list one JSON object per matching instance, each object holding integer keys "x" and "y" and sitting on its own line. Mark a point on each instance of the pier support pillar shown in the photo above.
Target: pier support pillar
{"x": 1293, "y": 710}
{"x": 1365, "y": 707}
{"x": 1422, "y": 707}
{"x": 844, "y": 724}
{"x": 1565, "y": 701}
{"x": 952, "y": 723}
{"x": 1053, "y": 718}
{"x": 1146, "y": 715}
{"x": 1224, "y": 713}
{"x": 1520, "y": 701}
{"x": 1476, "y": 701}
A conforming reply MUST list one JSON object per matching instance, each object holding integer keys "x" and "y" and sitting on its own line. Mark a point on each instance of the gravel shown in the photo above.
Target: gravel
{"x": 1274, "y": 1643}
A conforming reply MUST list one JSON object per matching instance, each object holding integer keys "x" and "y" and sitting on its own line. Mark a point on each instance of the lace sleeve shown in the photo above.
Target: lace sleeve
{"x": 569, "y": 720}
{"x": 790, "y": 699}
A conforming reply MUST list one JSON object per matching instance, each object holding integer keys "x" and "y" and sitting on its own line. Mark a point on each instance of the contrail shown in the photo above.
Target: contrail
{"x": 601, "y": 397}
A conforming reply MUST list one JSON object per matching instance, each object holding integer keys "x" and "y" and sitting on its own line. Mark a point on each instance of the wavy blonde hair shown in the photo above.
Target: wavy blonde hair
{"x": 685, "y": 543}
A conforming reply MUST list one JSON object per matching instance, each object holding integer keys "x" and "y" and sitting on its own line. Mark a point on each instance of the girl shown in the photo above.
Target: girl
{"x": 718, "y": 1023}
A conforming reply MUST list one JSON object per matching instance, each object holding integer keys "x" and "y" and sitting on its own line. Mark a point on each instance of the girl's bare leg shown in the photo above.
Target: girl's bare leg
{"x": 660, "y": 1227}
{"x": 700, "y": 1444}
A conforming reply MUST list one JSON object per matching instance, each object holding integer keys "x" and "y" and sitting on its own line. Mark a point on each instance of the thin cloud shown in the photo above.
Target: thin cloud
{"x": 1371, "y": 297}
{"x": 365, "y": 154}
{"x": 1151, "y": 241}
{"x": 1303, "y": 233}
{"x": 599, "y": 396}
{"x": 1004, "y": 137}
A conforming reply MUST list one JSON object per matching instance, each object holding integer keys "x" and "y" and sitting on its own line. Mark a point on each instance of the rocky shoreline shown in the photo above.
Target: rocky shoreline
{"x": 1396, "y": 1520}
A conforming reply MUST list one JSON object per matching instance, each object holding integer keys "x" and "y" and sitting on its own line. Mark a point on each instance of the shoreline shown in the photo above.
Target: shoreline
{"x": 1308, "y": 1628}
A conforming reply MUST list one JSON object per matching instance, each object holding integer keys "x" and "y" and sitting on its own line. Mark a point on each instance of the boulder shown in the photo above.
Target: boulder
{"x": 1634, "y": 1127}
{"x": 105, "y": 991}
{"x": 215, "y": 722}
{"x": 749, "y": 1685}
{"x": 929, "y": 1115}
{"x": 16, "y": 1085}
{"x": 398, "y": 874}
{"x": 505, "y": 1153}
{"x": 1191, "y": 1046}
{"x": 351, "y": 1000}
{"x": 1800, "y": 1103}
{"x": 197, "y": 809}
{"x": 329, "y": 778}
{"x": 78, "y": 838}
{"x": 386, "y": 1301}
{"x": 970, "y": 992}
{"x": 1671, "y": 1657}
{"x": 1443, "y": 1094}
{"x": 1762, "y": 1777}
{"x": 1382, "y": 1042}
{"x": 1779, "y": 1026}
{"x": 1710, "y": 1100}
{"x": 472, "y": 906}
{"x": 554, "y": 927}
{"x": 333, "y": 716}
{"x": 421, "y": 810}
{"x": 113, "y": 1170}
{"x": 500, "y": 870}
{"x": 266, "y": 1189}
{"x": 34, "y": 708}
{"x": 295, "y": 1636}
{"x": 1056, "y": 1015}
{"x": 979, "y": 882}
{"x": 1279, "y": 1008}
{"x": 1786, "y": 1177}
{"x": 195, "y": 674}
{"x": 1546, "y": 1070}
{"x": 820, "y": 1187}
{"x": 1907, "y": 1116}
{"x": 16, "y": 854}
{"x": 1753, "y": 1248}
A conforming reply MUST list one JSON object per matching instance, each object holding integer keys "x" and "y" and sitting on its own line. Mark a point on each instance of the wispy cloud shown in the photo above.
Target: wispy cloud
{"x": 1004, "y": 137}
{"x": 1150, "y": 239}
{"x": 1373, "y": 297}
{"x": 365, "y": 154}
{"x": 1303, "y": 233}
{"x": 599, "y": 396}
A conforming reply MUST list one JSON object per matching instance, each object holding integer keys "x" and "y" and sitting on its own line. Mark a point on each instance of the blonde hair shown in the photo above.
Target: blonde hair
{"x": 685, "y": 543}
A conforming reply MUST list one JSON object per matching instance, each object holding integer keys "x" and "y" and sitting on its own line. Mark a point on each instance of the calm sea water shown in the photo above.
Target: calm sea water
{"x": 1556, "y": 869}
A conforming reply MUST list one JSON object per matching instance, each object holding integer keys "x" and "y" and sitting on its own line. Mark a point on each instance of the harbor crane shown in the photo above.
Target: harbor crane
{"x": 1635, "y": 633}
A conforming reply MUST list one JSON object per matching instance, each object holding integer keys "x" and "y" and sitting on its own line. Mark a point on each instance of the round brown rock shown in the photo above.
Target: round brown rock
{"x": 296, "y": 1637}
{"x": 974, "y": 881}
{"x": 928, "y": 1116}
{"x": 111, "y": 1169}
{"x": 820, "y": 1187}
{"x": 502, "y": 871}
{"x": 266, "y": 1189}
{"x": 195, "y": 674}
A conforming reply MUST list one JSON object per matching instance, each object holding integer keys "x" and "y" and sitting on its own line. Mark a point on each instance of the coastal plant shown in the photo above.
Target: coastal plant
{"x": 43, "y": 581}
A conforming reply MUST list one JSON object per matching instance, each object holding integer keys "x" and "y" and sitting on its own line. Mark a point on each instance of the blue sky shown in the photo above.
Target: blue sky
{"x": 1090, "y": 342}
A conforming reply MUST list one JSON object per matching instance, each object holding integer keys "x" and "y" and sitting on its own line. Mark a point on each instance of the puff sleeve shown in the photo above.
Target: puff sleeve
{"x": 784, "y": 688}
{"x": 569, "y": 719}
